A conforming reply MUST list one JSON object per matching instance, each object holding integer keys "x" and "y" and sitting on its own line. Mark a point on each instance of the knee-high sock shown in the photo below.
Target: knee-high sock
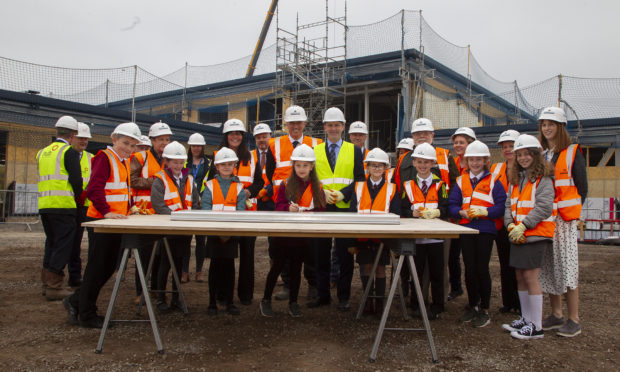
{"x": 524, "y": 298}
{"x": 536, "y": 306}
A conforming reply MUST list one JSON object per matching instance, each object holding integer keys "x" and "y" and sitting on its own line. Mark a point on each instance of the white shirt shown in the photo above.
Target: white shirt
{"x": 115, "y": 153}
{"x": 428, "y": 181}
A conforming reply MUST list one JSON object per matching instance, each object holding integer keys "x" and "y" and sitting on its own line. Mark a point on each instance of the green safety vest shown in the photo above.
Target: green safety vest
{"x": 85, "y": 166}
{"x": 343, "y": 171}
{"x": 54, "y": 188}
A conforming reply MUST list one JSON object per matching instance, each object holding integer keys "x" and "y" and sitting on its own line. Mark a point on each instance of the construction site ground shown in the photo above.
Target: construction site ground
{"x": 35, "y": 334}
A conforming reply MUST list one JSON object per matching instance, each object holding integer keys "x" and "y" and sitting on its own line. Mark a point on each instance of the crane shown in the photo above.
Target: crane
{"x": 261, "y": 38}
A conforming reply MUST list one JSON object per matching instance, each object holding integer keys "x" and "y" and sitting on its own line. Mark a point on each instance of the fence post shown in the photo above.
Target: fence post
{"x": 559, "y": 89}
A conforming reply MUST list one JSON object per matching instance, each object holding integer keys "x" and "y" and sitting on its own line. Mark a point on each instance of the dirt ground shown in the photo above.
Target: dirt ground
{"x": 35, "y": 334}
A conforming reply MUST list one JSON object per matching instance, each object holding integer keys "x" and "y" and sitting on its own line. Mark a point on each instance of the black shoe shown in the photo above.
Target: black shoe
{"x": 433, "y": 314}
{"x": 72, "y": 311}
{"x": 94, "y": 322}
{"x": 176, "y": 305}
{"x": 319, "y": 302}
{"x": 232, "y": 309}
{"x": 509, "y": 309}
{"x": 74, "y": 283}
{"x": 454, "y": 294}
{"x": 212, "y": 310}
{"x": 246, "y": 302}
{"x": 265, "y": 308}
{"x": 162, "y": 307}
{"x": 344, "y": 305}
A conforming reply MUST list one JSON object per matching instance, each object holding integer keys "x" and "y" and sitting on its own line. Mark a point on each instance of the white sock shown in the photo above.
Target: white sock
{"x": 536, "y": 308}
{"x": 524, "y": 299}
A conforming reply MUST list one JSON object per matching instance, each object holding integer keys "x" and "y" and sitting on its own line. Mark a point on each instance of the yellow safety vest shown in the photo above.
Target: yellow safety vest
{"x": 342, "y": 176}
{"x": 54, "y": 188}
{"x": 85, "y": 165}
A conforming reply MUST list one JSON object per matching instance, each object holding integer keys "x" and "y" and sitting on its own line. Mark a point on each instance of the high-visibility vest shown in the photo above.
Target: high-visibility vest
{"x": 389, "y": 174}
{"x": 85, "y": 165}
{"x": 566, "y": 195}
{"x": 381, "y": 204}
{"x": 172, "y": 198}
{"x": 498, "y": 170}
{"x": 245, "y": 173}
{"x": 218, "y": 202}
{"x": 263, "y": 175}
{"x": 150, "y": 166}
{"x": 117, "y": 188}
{"x": 442, "y": 163}
{"x": 397, "y": 170}
{"x": 457, "y": 161}
{"x": 480, "y": 196}
{"x": 342, "y": 176}
{"x": 306, "y": 202}
{"x": 55, "y": 191}
{"x": 416, "y": 196}
{"x": 522, "y": 203}
{"x": 282, "y": 149}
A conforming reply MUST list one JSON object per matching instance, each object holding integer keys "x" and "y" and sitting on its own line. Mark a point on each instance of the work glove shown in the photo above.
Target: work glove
{"x": 248, "y": 203}
{"x": 510, "y": 227}
{"x": 516, "y": 234}
{"x": 262, "y": 195}
{"x": 430, "y": 213}
{"x": 477, "y": 212}
{"x": 329, "y": 196}
{"x": 339, "y": 196}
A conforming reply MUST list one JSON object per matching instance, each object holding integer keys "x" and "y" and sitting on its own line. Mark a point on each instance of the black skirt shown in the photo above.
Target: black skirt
{"x": 528, "y": 256}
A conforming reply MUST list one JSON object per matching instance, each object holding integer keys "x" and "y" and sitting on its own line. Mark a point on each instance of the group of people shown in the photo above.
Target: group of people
{"x": 529, "y": 205}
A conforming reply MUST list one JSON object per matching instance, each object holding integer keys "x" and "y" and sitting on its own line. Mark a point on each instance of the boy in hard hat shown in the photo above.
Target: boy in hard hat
{"x": 375, "y": 195}
{"x": 426, "y": 197}
{"x": 358, "y": 134}
{"x": 173, "y": 190}
{"x": 144, "y": 144}
{"x": 110, "y": 196}
{"x": 223, "y": 192}
{"x": 477, "y": 201}
{"x": 461, "y": 138}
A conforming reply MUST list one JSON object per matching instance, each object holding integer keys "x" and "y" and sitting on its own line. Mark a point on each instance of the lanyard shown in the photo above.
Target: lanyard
{"x": 195, "y": 168}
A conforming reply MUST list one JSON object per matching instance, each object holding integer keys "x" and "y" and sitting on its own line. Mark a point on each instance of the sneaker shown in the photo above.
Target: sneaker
{"x": 283, "y": 294}
{"x": 481, "y": 319}
{"x": 528, "y": 332}
{"x": 294, "y": 309}
{"x": 469, "y": 315}
{"x": 232, "y": 309}
{"x": 433, "y": 314}
{"x": 515, "y": 326}
{"x": 454, "y": 294}
{"x": 569, "y": 329}
{"x": 265, "y": 308}
{"x": 552, "y": 322}
{"x": 93, "y": 322}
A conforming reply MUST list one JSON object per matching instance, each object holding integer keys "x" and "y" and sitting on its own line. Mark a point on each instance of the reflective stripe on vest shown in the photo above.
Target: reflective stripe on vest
{"x": 342, "y": 175}
{"x": 218, "y": 202}
{"x": 443, "y": 165}
{"x": 53, "y": 186}
{"x": 381, "y": 203}
{"x": 498, "y": 170}
{"x": 416, "y": 196}
{"x": 566, "y": 195}
{"x": 150, "y": 167}
{"x": 171, "y": 192}
{"x": 282, "y": 149}
{"x": 480, "y": 196}
{"x": 522, "y": 203}
{"x": 117, "y": 187}
{"x": 85, "y": 164}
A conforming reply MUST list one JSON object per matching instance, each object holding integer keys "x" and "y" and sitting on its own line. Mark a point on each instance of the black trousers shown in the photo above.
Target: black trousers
{"x": 323, "y": 267}
{"x": 293, "y": 256}
{"x": 476, "y": 256}
{"x": 221, "y": 280}
{"x": 454, "y": 265}
{"x": 433, "y": 255}
{"x": 60, "y": 232}
{"x": 245, "y": 286}
{"x": 75, "y": 260}
{"x": 178, "y": 247}
{"x": 510, "y": 297}
{"x": 309, "y": 269}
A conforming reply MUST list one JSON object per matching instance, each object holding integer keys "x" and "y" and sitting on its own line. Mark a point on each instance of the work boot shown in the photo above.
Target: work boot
{"x": 55, "y": 290}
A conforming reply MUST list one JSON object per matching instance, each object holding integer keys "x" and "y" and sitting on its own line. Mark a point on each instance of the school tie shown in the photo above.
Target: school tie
{"x": 295, "y": 144}
{"x": 474, "y": 181}
{"x": 332, "y": 155}
{"x": 424, "y": 188}
{"x": 263, "y": 159}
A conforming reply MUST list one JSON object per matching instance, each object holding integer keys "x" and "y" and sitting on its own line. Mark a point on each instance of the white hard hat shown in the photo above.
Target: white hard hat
{"x": 67, "y": 122}
{"x": 422, "y": 125}
{"x": 358, "y": 127}
{"x": 333, "y": 114}
{"x": 526, "y": 141}
{"x": 295, "y": 113}
{"x": 303, "y": 152}
{"x": 225, "y": 155}
{"x": 196, "y": 139}
{"x": 425, "y": 151}
{"x": 175, "y": 150}
{"x": 377, "y": 155}
{"x": 145, "y": 141}
{"x": 477, "y": 148}
{"x": 261, "y": 128}
{"x": 405, "y": 143}
{"x": 464, "y": 131}
{"x": 83, "y": 130}
{"x": 508, "y": 135}
{"x": 233, "y": 125}
{"x": 128, "y": 129}
{"x": 159, "y": 129}
{"x": 553, "y": 113}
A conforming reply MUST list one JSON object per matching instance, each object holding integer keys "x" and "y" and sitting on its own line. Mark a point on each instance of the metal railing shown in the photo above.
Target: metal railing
{"x": 19, "y": 207}
{"x": 599, "y": 224}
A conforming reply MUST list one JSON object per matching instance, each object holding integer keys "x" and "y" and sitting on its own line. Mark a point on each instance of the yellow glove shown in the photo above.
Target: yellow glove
{"x": 430, "y": 213}
{"x": 248, "y": 204}
{"x": 329, "y": 196}
{"x": 510, "y": 227}
{"x": 516, "y": 234}
{"x": 477, "y": 212}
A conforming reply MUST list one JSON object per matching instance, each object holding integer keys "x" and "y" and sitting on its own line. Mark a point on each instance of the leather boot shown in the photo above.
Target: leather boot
{"x": 55, "y": 290}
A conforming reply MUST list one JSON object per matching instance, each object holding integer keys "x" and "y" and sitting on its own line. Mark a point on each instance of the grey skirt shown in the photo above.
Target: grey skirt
{"x": 528, "y": 256}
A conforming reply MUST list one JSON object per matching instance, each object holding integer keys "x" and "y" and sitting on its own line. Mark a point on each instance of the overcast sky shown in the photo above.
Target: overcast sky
{"x": 523, "y": 40}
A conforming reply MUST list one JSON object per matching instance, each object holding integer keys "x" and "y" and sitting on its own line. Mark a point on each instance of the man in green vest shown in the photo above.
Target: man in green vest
{"x": 79, "y": 143}
{"x": 339, "y": 164}
{"x": 60, "y": 194}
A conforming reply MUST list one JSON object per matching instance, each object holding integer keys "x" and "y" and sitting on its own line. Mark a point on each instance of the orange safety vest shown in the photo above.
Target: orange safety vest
{"x": 397, "y": 170}
{"x": 416, "y": 196}
{"x": 522, "y": 203}
{"x": 218, "y": 202}
{"x": 457, "y": 161}
{"x": 172, "y": 198}
{"x": 245, "y": 173}
{"x": 282, "y": 149}
{"x": 566, "y": 195}
{"x": 481, "y": 196}
{"x": 306, "y": 202}
{"x": 150, "y": 166}
{"x": 498, "y": 170}
{"x": 443, "y": 165}
{"x": 381, "y": 204}
{"x": 263, "y": 175}
{"x": 117, "y": 188}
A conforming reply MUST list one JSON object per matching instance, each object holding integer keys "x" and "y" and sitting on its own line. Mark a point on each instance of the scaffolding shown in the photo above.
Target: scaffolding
{"x": 311, "y": 68}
